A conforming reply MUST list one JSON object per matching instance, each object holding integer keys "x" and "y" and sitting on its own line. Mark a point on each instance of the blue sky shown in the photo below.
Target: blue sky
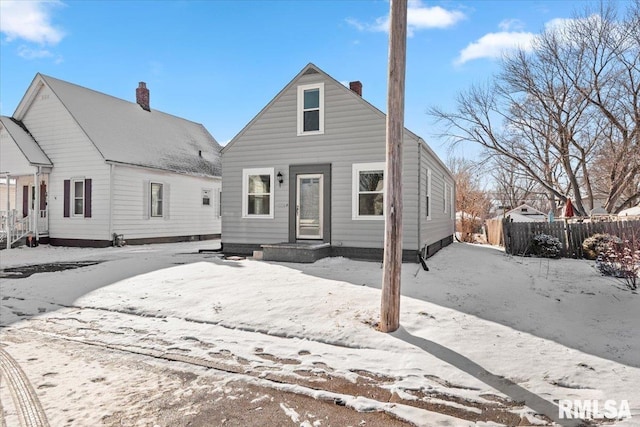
{"x": 220, "y": 62}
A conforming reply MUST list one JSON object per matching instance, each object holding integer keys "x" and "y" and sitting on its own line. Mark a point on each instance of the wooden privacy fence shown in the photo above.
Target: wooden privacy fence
{"x": 493, "y": 228}
{"x": 517, "y": 236}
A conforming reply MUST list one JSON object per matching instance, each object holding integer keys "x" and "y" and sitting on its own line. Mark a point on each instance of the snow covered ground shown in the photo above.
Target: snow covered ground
{"x": 480, "y": 327}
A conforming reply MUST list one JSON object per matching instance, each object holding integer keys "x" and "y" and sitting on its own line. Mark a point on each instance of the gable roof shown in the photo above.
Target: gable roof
{"x": 25, "y": 142}
{"x": 311, "y": 68}
{"x": 123, "y": 132}
{"x": 633, "y": 211}
{"x": 526, "y": 213}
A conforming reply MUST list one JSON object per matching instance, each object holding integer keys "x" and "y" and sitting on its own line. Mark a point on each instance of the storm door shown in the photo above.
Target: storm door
{"x": 309, "y": 206}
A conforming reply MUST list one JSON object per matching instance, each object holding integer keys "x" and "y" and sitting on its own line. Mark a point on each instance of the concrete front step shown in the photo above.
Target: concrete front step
{"x": 304, "y": 252}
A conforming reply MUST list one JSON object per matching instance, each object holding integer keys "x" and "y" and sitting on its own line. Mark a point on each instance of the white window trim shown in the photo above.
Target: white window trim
{"x": 301, "y": 90}
{"x": 151, "y": 215}
{"x": 355, "y": 179}
{"x": 245, "y": 191}
{"x": 446, "y": 197}
{"x": 429, "y": 195}
{"x": 452, "y": 201}
{"x": 73, "y": 198}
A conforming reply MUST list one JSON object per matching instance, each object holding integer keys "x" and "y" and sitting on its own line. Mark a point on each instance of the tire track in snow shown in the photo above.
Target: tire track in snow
{"x": 25, "y": 400}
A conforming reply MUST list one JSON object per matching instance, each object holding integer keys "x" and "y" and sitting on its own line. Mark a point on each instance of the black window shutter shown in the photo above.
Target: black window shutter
{"x": 67, "y": 198}
{"x": 25, "y": 201}
{"x": 87, "y": 198}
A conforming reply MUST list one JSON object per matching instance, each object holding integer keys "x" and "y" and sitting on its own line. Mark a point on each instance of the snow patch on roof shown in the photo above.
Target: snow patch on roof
{"x": 630, "y": 211}
{"x": 123, "y": 132}
{"x": 25, "y": 142}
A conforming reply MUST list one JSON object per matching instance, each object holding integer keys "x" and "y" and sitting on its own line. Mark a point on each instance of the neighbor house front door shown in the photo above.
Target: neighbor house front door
{"x": 309, "y": 206}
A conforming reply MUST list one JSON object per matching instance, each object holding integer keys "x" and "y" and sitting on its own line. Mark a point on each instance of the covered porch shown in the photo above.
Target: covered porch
{"x": 24, "y": 179}
{"x": 24, "y": 211}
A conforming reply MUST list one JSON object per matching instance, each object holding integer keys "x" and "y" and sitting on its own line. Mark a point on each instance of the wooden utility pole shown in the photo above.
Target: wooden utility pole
{"x": 390, "y": 307}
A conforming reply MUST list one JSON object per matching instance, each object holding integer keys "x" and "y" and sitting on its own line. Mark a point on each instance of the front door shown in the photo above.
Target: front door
{"x": 309, "y": 204}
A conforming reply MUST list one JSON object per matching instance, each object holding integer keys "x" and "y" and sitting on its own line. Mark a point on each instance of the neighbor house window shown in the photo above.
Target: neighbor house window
{"x": 257, "y": 193}
{"x": 156, "y": 199}
{"x": 428, "y": 198}
{"x": 206, "y": 197}
{"x": 311, "y": 109}
{"x": 78, "y": 197}
{"x": 368, "y": 191}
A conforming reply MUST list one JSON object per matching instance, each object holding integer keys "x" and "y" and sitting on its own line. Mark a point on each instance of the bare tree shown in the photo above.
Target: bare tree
{"x": 512, "y": 187}
{"x": 472, "y": 201}
{"x": 567, "y": 113}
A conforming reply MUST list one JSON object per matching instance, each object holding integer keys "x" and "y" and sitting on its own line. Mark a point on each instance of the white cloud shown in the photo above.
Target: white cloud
{"x": 419, "y": 17}
{"x": 511, "y": 25}
{"x": 357, "y": 24}
{"x": 29, "y": 21}
{"x": 493, "y": 45}
{"x": 28, "y": 53}
{"x": 559, "y": 23}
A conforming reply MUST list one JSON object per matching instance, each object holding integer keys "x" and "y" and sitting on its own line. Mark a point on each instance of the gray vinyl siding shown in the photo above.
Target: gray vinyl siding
{"x": 354, "y": 132}
{"x": 441, "y": 224}
{"x": 74, "y": 157}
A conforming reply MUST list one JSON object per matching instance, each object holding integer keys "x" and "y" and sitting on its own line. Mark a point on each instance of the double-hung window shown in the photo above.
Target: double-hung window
{"x": 368, "y": 191}
{"x": 257, "y": 193}
{"x": 78, "y": 197}
{"x": 448, "y": 199}
{"x": 156, "y": 199}
{"x": 311, "y": 109}
{"x": 451, "y": 202}
{"x": 428, "y": 197}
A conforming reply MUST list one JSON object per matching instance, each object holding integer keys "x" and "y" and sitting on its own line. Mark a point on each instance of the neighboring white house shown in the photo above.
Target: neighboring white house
{"x": 86, "y": 166}
{"x": 525, "y": 213}
{"x": 630, "y": 212}
{"x": 308, "y": 171}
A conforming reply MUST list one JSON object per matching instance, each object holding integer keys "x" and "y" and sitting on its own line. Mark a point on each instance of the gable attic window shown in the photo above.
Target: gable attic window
{"x": 311, "y": 109}
{"x": 368, "y": 191}
{"x": 77, "y": 198}
{"x": 257, "y": 193}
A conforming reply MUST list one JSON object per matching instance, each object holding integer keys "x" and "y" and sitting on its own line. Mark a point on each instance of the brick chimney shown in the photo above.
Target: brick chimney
{"x": 356, "y": 87}
{"x": 142, "y": 96}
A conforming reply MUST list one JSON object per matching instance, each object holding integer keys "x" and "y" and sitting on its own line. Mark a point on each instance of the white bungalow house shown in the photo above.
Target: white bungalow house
{"x": 525, "y": 213}
{"x": 305, "y": 179}
{"x": 80, "y": 168}
{"x": 633, "y": 212}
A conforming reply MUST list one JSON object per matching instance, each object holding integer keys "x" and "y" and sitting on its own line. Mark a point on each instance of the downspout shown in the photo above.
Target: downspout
{"x": 111, "y": 171}
{"x": 419, "y": 194}
{"x": 8, "y": 218}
